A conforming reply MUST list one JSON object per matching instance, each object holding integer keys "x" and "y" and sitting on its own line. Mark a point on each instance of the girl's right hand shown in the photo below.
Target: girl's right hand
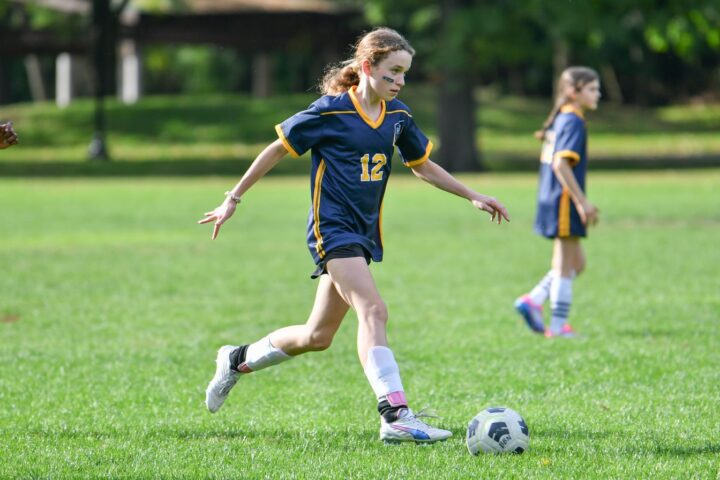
{"x": 588, "y": 213}
{"x": 220, "y": 215}
{"x": 491, "y": 205}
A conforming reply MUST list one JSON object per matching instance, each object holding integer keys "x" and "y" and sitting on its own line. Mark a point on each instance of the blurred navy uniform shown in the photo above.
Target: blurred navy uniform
{"x": 556, "y": 213}
{"x": 351, "y": 156}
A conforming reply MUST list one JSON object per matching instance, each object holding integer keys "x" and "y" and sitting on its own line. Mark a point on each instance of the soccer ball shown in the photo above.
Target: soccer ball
{"x": 497, "y": 430}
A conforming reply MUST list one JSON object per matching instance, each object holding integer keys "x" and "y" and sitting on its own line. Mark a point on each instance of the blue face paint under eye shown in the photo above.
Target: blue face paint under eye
{"x": 388, "y": 79}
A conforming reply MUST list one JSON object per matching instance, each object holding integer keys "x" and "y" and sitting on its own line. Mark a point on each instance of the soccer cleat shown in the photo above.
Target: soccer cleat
{"x": 531, "y": 312}
{"x": 566, "y": 332}
{"x": 409, "y": 428}
{"x": 224, "y": 380}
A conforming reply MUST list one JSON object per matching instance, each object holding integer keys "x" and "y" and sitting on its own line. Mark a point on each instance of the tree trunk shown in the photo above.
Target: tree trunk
{"x": 35, "y": 78}
{"x": 561, "y": 60}
{"x": 611, "y": 83}
{"x": 262, "y": 75}
{"x": 5, "y": 91}
{"x": 101, "y": 18}
{"x": 456, "y": 109}
{"x": 456, "y": 119}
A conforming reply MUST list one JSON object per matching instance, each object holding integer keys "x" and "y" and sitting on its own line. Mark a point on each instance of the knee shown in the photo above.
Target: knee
{"x": 318, "y": 340}
{"x": 377, "y": 313}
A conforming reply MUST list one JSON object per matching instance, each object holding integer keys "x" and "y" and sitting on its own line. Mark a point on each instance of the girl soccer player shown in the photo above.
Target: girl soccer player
{"x": 352, "y": 132}
{"x": 563, "y": 211}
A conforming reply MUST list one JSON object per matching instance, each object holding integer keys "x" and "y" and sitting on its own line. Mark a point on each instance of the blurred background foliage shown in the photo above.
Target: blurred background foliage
{"x": 648, "y": 52}
{"x": 481, "y": 80}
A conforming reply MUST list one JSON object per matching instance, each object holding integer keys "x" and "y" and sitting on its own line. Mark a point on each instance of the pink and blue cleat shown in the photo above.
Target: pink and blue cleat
{"x": 532, "y": 313}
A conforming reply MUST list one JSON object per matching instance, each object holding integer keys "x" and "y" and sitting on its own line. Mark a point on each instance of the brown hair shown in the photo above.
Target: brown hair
{"x": 572, "y": 77}
{"x": 374, "y": 47}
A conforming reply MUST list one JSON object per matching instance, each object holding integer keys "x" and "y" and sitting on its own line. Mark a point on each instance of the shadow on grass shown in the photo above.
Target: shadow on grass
{"x": 685, "y": 451}
{"x": 144, "y": 168}
{"x": 238, "y": 166}
{"x": 240, "y": 432}
{"x": 591, "y": 436}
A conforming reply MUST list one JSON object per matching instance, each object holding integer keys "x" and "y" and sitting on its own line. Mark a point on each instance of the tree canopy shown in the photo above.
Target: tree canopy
{"x": 492, "y": 40}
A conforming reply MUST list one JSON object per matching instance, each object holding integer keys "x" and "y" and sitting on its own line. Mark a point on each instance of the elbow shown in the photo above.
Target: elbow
{"x": 419, "y": 174}
{"x": 423, "y": 171}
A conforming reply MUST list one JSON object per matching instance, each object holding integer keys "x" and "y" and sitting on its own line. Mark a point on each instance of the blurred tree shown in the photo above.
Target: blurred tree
{"x": 193, "y": 69}
{"x": 645, "y": 51}
{"x": 22, "y": 70}
{"x": 684, "y": 27}
{"x": 442, "y": 34}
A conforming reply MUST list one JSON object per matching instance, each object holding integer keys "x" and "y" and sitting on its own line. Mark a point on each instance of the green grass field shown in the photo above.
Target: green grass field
{"x": 114, "y": 302}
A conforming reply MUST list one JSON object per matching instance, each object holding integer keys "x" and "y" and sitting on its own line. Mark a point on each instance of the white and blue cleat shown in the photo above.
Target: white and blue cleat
{"x": 409, "y": 428}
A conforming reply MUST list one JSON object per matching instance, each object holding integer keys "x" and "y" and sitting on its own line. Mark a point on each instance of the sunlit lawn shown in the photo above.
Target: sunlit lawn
{"x": 113, "y": 302}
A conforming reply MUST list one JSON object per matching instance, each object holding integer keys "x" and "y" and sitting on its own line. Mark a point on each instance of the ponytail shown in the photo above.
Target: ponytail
{"x": 540, "y": 134}
{"x": 340, "y": 78}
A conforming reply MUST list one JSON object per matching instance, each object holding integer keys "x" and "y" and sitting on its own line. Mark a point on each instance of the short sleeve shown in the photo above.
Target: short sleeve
{"x": 414, "y": 146}
{"x": 302, "y": 131}
{"x": 570, "y": 141}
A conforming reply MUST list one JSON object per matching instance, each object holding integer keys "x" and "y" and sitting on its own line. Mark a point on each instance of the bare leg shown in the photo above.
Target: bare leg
{"x": 579, "y": 259}
{"x": 354, "y": 282}
{"x": 568, "y": 257}
{"x": 318, "y": 332}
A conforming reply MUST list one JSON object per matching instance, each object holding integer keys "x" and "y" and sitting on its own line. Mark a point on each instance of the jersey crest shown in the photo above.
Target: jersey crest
{"x": 397, "y": 130}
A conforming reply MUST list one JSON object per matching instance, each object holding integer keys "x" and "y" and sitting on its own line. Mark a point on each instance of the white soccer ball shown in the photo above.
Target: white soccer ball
{"x": 497, "y": 430}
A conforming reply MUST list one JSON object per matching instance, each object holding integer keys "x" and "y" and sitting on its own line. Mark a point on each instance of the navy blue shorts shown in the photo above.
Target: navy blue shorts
{"x": 559, "y": 220}
{"x": 343, "y": 251}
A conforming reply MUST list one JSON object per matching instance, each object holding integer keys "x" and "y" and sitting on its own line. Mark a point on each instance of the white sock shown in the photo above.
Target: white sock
{"x": 542, "y": 290}
{"x": 383, "y": 373}
{"x": 263, "y": 354}
{"x": 560, "y": 300}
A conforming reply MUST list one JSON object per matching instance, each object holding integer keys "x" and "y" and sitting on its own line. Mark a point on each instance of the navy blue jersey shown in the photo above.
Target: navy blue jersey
{"x": 351, "y": 156}
{"x": 556, "y": 213}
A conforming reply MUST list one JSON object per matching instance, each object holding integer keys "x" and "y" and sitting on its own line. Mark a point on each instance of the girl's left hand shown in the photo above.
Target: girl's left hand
{"x": 491, "y": 205}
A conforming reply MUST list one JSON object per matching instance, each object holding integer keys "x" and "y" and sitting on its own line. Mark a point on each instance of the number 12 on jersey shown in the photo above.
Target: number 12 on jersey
{"x": 376, "y": 174}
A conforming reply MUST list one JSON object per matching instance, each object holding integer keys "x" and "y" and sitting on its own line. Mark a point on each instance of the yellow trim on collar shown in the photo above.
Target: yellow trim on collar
{"x": 285, "y": 142}
{"x": 572, "y": 109}
{"x": 358, "y": 107}
{"x": 335, "y": 112}
{"x": 423, "y": 159}
{"x": 398, "y": 111}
